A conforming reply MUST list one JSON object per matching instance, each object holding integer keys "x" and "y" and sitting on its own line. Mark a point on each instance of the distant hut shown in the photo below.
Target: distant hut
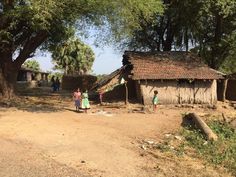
{"x": 29, "y": 78}
{"x": 179, "y": 77}
{"x": 70, "y": 82}
{"x": 28, "y": 75}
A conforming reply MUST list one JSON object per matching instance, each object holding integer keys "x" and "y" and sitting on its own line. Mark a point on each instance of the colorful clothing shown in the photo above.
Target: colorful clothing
{"x": 155, "y": 100}
{"x": 85, "y": 101}
{"x": 77, "y": 98}
{"x": 77, "y": 103}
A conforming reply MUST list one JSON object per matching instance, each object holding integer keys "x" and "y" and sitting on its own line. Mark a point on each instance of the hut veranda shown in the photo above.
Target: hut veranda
{"x": 179, "y": 78}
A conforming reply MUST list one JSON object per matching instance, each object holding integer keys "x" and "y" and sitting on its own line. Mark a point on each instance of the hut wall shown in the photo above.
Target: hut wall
{"x": 20, "y": 85}
{"x": 74, "y": 82}
{"x": 111, "y": 84}
{"x": 116, "y": 94}
{"x": 138, "y": 91}
{"x": 28, "y": 76}
{"x": 231, "y": 90}
{"x": 167, "y": 91}
{"x": 113, "y": 91}
{"x": 179, "y": 92}
{"x": 205, "y": 92}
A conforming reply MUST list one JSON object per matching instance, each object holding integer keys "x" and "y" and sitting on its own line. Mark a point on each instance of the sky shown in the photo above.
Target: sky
{"x": 107, "y": 59}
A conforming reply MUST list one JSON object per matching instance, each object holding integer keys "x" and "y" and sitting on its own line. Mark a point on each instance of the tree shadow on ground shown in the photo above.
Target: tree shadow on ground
{"x": 30, "y": 107}
{"x": 73, "y": 110}
{"x": 44, "y": 104}
{"x": 187, "y": 122}
{"x": 42, "y": 99}
{"x": 39, "y": 99}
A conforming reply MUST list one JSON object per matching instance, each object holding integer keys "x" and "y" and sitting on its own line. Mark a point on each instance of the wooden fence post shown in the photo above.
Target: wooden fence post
{"x": 126, "y": 93}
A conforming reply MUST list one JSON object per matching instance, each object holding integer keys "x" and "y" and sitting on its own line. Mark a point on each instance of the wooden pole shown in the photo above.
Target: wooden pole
{"x": 203, "y": 126}
{"x": 126, "y": 93}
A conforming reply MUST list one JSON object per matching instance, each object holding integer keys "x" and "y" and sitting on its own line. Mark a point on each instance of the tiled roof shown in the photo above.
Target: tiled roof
{"x": 23, "y": 68}
{"x": 107, "y": 78}
{"x": 168, "y": 65}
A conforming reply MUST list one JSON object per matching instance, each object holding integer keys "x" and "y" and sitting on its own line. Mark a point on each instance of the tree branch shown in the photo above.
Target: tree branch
{"x": 30, "y": 46}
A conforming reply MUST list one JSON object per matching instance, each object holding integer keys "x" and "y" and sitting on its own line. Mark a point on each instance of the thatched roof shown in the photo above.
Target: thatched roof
{"x": 168, "y": 65}
{"x": 107, "y": 79}
{"x": 23, "y": 68}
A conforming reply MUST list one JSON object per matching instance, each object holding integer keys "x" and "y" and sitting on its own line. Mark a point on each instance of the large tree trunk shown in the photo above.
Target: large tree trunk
{"x": 167, "y": 45}
{"x": 8, "y": 77}
{"x": 216, "y": 52}
{"x": 225, "y": 82}
{"x": 186, "y": 38}
{"x": 8, "y": 67}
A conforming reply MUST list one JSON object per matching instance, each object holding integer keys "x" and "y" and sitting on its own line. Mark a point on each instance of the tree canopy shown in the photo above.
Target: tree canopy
{"x": 32, "y": 64}
{"x": 207, "y": 27}
{"x": 28, "y": 25}
{"x": 74, "y": 57}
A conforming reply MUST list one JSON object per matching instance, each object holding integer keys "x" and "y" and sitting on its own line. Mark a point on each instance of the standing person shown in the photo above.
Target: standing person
{"x": 53, "y": 84}
{"x": 101, "y": 92}
{"x": 57, "y": 83}
{"x": 155, "y": 100}
{"x": 77, "y": 99}
{"x": 85, "y": 101}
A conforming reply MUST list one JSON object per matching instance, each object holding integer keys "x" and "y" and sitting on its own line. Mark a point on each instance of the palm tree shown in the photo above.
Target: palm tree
{"x": 74, "y": 57}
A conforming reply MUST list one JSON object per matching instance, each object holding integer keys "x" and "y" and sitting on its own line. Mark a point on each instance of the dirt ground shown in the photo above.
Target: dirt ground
{"x": 45, "y": 137}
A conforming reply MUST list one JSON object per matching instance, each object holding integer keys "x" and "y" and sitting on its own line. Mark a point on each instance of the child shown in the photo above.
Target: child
{"x": 101, "y": 96}
{"x": 77, "y": 98}
{"x": 53, "y": 84}
{"x": 85, "y": 101}
{"x": 155, "y": 100}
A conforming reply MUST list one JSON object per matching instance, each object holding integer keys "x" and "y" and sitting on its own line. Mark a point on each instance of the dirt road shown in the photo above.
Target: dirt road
{"x": 106, "y": 145}
{"x": 66, "y": 143}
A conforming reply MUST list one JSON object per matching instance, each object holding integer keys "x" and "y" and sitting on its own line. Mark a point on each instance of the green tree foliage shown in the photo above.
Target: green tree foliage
{"x": 27, "y": 25}
{"x": 217, "y": 31}
{"x": 74, "y": 57}
{"x": 229, "y": 64}
{"x": 58, "y": 75}
{"x": 32, "y": 64}
{"x": 206, "y": 26}
{"x": 172, "y": 29}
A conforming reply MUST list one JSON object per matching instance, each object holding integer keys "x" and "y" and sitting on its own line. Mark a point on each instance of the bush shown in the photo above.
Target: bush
{"x": 220, "y": 152}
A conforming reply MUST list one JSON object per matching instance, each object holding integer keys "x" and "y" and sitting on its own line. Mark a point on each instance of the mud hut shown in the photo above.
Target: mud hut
{"x": 83, "y": 82}
{"x": 28, "y": 78}
{"x": 179, "y": 77}
{"x": 28, "y": 75}
{"x": 112, "y": 85}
